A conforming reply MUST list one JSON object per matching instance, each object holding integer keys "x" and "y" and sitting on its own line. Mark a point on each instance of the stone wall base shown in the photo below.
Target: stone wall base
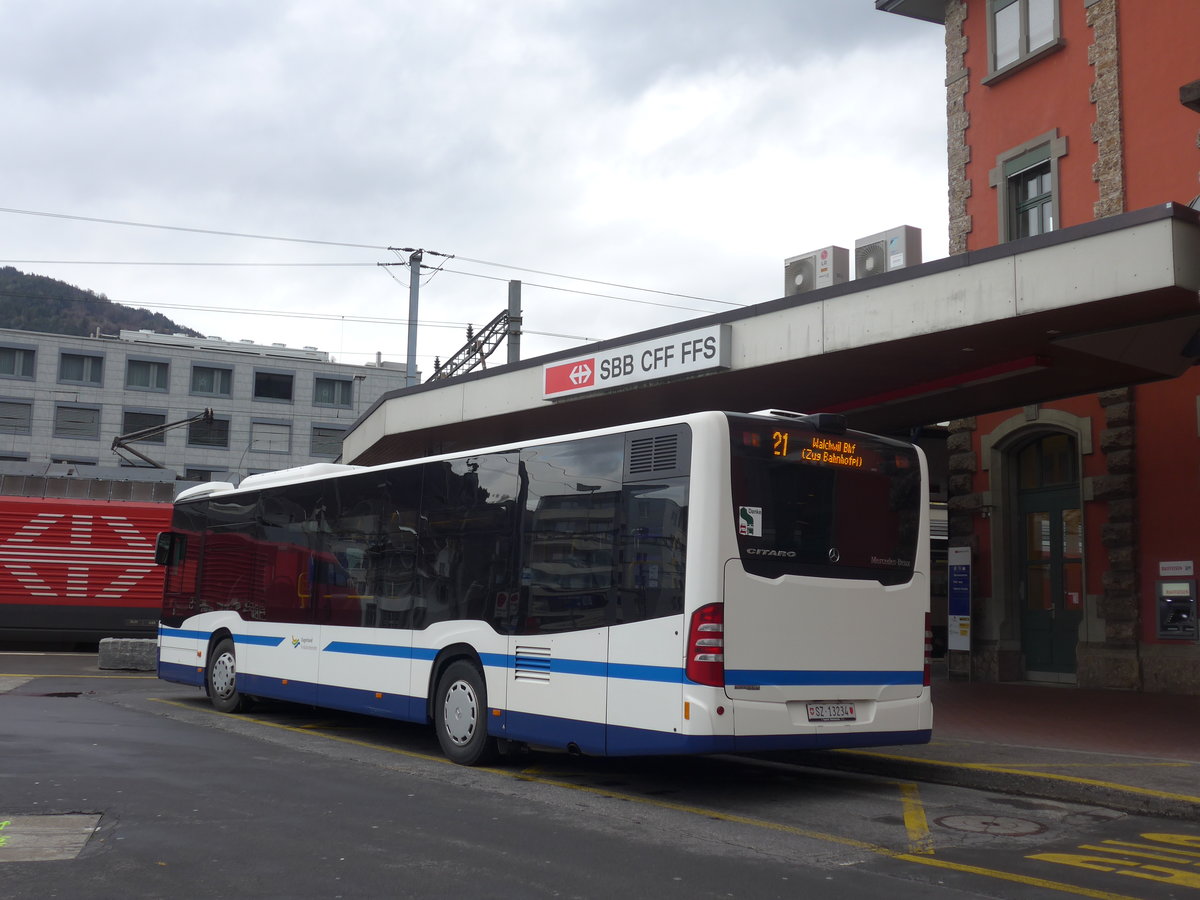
{"x": 1107, "y": 668}
{"x": 1170, "y": 669}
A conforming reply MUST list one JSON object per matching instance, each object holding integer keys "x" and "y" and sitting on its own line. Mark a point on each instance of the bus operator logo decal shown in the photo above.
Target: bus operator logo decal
{"x": 750, "y": 521}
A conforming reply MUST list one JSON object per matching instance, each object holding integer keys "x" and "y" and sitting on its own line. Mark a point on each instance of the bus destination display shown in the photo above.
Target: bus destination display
{"x": 818, "y": 449}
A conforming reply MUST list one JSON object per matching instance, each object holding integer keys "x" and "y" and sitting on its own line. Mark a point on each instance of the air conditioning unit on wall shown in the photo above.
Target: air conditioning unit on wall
{"x": 817, "y": 269}
{"x": 887, "y": 251}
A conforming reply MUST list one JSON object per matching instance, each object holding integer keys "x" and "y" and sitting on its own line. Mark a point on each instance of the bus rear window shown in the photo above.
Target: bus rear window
{"x": 829, "y": 505}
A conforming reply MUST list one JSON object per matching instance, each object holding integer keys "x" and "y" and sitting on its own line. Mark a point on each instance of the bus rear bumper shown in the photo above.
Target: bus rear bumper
{"x": 639, "y": 742}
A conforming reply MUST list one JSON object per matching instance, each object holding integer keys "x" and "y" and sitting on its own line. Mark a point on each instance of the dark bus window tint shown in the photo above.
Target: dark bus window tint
{"x": 301, "y": 580}
{"x": 373, "y": 541}
{"x": 466, "y": 560}
{"x": 233, "y": 568}
{"x": 841, "y": 506}
{"x": 181, "y": 577}
{"x": 652, "y": 541}
{"x": 573, "y": 509}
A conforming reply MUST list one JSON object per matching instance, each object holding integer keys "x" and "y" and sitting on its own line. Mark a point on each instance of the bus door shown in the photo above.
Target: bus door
{"x": 363, "y": 584}
{"x": 557, "y": 694}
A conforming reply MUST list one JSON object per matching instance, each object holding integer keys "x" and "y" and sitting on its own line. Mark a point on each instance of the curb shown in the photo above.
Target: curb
{"x": 1047, "y": 786}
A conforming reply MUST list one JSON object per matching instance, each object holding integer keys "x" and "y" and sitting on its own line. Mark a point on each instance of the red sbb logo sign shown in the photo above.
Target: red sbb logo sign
{"x": 688, "y": 353}
{"x": 572, "y": 376}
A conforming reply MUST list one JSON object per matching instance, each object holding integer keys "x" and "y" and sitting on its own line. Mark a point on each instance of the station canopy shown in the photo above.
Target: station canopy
{"x": 1103, "y": 305}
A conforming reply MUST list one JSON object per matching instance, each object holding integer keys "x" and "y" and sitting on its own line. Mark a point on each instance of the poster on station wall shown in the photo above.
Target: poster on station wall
{"x": 958, "y": 607}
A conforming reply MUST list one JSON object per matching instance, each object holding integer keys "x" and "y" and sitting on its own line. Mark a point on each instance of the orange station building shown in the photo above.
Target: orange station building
{"x": 1082, "y": 515}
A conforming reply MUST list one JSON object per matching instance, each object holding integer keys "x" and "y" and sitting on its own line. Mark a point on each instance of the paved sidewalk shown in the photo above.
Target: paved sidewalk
{"x": 1130, "y": 751}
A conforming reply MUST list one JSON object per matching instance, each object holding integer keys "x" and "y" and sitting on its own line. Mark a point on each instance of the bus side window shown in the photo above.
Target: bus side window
{"x": 572, "y": 514}
{"x": 468, "y": 516}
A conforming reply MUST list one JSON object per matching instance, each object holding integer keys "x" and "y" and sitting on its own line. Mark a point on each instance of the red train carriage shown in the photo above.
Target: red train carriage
{"x": 79, "y": 569}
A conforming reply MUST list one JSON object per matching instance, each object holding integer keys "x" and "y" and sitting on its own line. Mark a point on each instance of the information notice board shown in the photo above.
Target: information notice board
{"x": 958, "y": 620}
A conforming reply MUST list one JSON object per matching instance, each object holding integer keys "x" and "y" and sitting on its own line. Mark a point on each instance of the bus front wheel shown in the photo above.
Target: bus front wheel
{"x": 460, "y": 715}
{"x": 221, "y": 679}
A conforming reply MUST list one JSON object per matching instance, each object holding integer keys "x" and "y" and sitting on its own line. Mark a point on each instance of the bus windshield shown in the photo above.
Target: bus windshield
{"x": 826, "y": 505}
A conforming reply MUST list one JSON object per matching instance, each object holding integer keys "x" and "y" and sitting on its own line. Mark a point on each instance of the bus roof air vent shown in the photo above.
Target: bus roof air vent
{"x": 657, "y": 453}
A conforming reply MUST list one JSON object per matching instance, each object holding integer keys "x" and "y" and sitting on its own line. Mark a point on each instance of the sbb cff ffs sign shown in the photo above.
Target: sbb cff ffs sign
{"x": 690, "y": 353}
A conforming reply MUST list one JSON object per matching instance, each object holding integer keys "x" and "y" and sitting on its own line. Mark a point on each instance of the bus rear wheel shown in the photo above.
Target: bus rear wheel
{"x": 460, "y": 715}
{"x": 221, "y": 678}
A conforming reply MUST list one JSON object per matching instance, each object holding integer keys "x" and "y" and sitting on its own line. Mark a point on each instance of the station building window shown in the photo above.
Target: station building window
{"x": 269, "y": 385}
{"x": 15, "y": 417}
{"x": 134, "y": 420}
{"x": 326, "y": 440}
{"x": 212, "y": 381}
{"x": 1027, "y": 184}
{"x": 333, "y": 392}
{"x": 270, "y": 437}
{"x": 80, "y": 368}
{"x": 209, "y": 434}
{"x": 77, "y": 421}
{"x": 1020, "y": 31}
{"x": 17, "y": 362}
{"x": 147, "y": 375}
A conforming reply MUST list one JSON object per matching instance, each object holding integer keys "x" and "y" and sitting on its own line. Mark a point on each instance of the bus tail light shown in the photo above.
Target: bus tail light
{"x": 706, "y": 646}
{"x": 928, "y": 648}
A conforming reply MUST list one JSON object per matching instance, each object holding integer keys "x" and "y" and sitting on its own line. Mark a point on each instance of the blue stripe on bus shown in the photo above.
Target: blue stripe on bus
{"x": 664, "y": 674}
{"x": 590, "y": 668}
{"x": 772, "y": 678}
{"x": 258, "y": 640}
{"x": 558, "y": 665}
{"x": 388, "y": 650}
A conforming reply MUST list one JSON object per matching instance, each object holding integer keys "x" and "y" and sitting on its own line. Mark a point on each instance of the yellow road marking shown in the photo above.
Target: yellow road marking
{"x": 1016, "y": 770}
{"x": 531, "y": 775}
{"x": 1120, "y": 765}
{"x": 1015, "y": 877}
{"x": 915, "y": 823}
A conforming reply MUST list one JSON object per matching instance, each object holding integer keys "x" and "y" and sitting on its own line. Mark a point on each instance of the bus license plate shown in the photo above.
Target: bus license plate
{"x": 831, "y": 712}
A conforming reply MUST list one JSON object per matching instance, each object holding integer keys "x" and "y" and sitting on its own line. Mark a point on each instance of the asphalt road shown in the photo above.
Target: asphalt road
{"x": 293, "y": 802}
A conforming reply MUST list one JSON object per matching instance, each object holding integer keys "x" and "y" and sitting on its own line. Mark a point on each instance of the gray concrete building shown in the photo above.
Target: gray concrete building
{"x": 64, "y": 398}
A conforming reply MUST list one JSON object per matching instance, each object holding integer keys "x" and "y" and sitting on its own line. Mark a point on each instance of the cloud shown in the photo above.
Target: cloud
{"x": 684, "y": 146}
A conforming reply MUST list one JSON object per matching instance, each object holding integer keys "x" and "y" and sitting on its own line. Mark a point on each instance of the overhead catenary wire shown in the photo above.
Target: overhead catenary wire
{"x": 387, "y": 267}
{"x": 214, "y": 264}
{"x": 238, "y": 234}
{"x": 552, "y": 287}
{"x": 388, "y": 247}
{"x": 293, "y": 314}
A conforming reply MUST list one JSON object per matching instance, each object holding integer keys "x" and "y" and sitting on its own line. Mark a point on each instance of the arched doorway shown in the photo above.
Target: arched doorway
{"x": 1049, "y": 558}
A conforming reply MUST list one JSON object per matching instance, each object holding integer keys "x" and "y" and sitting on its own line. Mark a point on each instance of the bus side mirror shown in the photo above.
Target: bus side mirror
{"x": 162, "y": 548}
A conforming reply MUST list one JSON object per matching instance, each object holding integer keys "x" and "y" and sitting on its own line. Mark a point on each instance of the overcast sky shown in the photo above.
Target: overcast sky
{"x": 686, "y": 146}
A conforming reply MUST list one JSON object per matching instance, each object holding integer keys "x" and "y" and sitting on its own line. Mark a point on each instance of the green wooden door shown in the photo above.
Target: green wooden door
{"x": 1050, "y": 555}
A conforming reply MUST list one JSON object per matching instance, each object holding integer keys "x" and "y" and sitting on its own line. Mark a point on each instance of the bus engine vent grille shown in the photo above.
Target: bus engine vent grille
{"x": 657, "y": 453}
{"x": 532, "y": 664}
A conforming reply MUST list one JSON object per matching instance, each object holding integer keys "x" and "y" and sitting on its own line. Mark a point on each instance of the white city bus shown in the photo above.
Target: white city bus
{"x": 705, "y": 583}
